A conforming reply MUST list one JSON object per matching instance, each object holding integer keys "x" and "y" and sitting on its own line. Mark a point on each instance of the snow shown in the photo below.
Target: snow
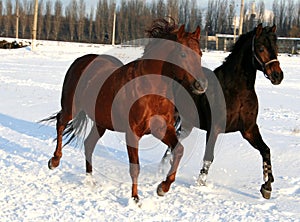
{"x": 30, "y": 89}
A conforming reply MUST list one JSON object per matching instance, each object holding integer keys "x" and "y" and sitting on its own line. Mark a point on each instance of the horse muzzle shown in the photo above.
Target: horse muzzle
{"x": 199, "y": 86}
{"x": 276, "y": 77}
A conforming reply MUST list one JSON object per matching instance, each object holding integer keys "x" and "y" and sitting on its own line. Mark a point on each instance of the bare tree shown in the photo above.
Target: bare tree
{"x": 134, "y": 16}
{"x": 172, "y": 6}
{"x": 282, "y": 17}
{"x": 106, "y": 24}
{"x": 193, "y": 20}
{"x": 122, "y": 22}
{"x": 275, "y": 9}
{"x": 57, "y": 18}
{"x": 231, "y": 16}
{"x": 1, "y": 17}
{"x": 222, "y": 18}
{"x": 216, "y": 15}
{"x": 71, "y": 17}
{"x": 91, "y": 24}
{"x": 40, "y": 19}
{"x": 290, "y": 13}
{"x": 23, "y": 16}
{"x": 161, "y": 9}
{"x": 153, "y": 9}
{"x": 98, "y": 27}
{"x": 8, "y": 18}
{"x": 81, "y": 19}
{"x": 261, "y": 12}
{"x": 184, "y": 11}
{"x": 298, "y": 14}
{"x": 48, "y": 18}
{"x": 209, "y": 23}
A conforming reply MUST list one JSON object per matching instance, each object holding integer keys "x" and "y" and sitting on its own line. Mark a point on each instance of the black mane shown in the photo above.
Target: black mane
{"x": 235, "y": 52}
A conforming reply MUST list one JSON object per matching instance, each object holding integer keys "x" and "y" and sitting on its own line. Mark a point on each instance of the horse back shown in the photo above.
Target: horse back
{"x": 82, "y": 74}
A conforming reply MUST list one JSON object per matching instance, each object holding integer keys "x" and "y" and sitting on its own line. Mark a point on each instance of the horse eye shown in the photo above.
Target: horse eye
{"x": 261, "y": 49}
{"x": 183, "y": 55}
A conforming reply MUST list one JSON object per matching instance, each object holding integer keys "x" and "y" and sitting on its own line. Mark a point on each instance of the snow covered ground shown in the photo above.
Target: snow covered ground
{"x": 30, "y": 90}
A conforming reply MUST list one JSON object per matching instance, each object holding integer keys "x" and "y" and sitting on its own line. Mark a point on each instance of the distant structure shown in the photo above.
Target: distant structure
{"x": 252, "y": 20}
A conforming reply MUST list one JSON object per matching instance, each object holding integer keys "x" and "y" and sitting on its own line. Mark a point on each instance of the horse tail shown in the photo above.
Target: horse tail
{"x": 74, "y": 130}
{"x": 49, "y": 119}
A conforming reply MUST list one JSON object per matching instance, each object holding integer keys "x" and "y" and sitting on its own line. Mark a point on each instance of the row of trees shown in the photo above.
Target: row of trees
{"x": 284, "y": 13}
{"x": 74, "y": 22}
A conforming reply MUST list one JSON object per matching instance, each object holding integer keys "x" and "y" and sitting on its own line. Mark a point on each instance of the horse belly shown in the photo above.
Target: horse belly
{"x": 233, "y": 107}
{"x": 102, "y": 112}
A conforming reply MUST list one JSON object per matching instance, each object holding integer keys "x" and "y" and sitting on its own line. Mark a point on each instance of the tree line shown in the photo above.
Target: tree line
{"x": 74, "y": 22}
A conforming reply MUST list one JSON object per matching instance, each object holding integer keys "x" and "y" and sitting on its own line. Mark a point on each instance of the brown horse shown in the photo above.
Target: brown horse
{"x": 230, "y": 103}
{"x": 136, "y": 98}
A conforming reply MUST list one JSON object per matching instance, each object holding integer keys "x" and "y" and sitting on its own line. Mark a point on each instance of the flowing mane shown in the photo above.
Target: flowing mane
{"x": 235, "y": 52}
{"x": 163, "y": 29}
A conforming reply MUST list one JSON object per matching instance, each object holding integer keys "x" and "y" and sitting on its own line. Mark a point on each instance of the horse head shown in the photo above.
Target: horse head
{"x": 265, "y": 51}
{"x": 187, "y": 58}
{"x": 180, "y": 51}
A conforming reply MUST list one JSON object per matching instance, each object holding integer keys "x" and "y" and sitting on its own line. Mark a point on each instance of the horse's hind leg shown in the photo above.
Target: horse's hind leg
{"x": 254, "y": 138}
{"x": 89, "y": 145}
{"x": 171, "y": 140}
{"x": 134, "y": 167}
{"x": 211, "y": 138}
{"x": 62, "y": 119}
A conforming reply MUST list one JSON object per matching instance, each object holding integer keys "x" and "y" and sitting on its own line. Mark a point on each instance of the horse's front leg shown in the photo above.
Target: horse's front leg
{"x": 254, "y": 138}
{"x": 183, "y": 130}
{"x": 134, "y": 167}
{"x": 177, "y": 149}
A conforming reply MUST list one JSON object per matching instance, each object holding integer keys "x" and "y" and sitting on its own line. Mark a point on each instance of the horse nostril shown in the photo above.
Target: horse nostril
{"x": 201, "y": 85}
{"x": 197, "y": 84}
{"x": 275, "y": 75}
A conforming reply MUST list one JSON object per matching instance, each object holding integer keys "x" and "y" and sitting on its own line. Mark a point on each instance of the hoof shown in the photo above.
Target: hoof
{"x": 265, "y": 193}
{"x": 160, "y": 191}
{"x": 135, "y": 202}
{"x": 50, "y": 166}
{"x": 202, "y": 179}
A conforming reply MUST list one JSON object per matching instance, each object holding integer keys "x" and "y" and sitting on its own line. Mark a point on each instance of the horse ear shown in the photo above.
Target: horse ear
{"x": 197, "y": 33}
{"x": 181, "y": 31}
{"x": 259, "y": 29}
{"x": 274, "y": 28}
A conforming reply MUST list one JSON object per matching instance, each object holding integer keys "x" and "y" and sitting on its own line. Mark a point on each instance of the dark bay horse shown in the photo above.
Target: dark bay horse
{"x": 235, "y": 108}
{"x": 136, "y": 98}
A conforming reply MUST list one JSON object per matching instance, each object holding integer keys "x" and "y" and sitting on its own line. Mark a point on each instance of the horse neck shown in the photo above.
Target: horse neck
{"x": 239, "y": 68}
{"x": 158, "y": 48}
{"x": 155, "y": 58}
